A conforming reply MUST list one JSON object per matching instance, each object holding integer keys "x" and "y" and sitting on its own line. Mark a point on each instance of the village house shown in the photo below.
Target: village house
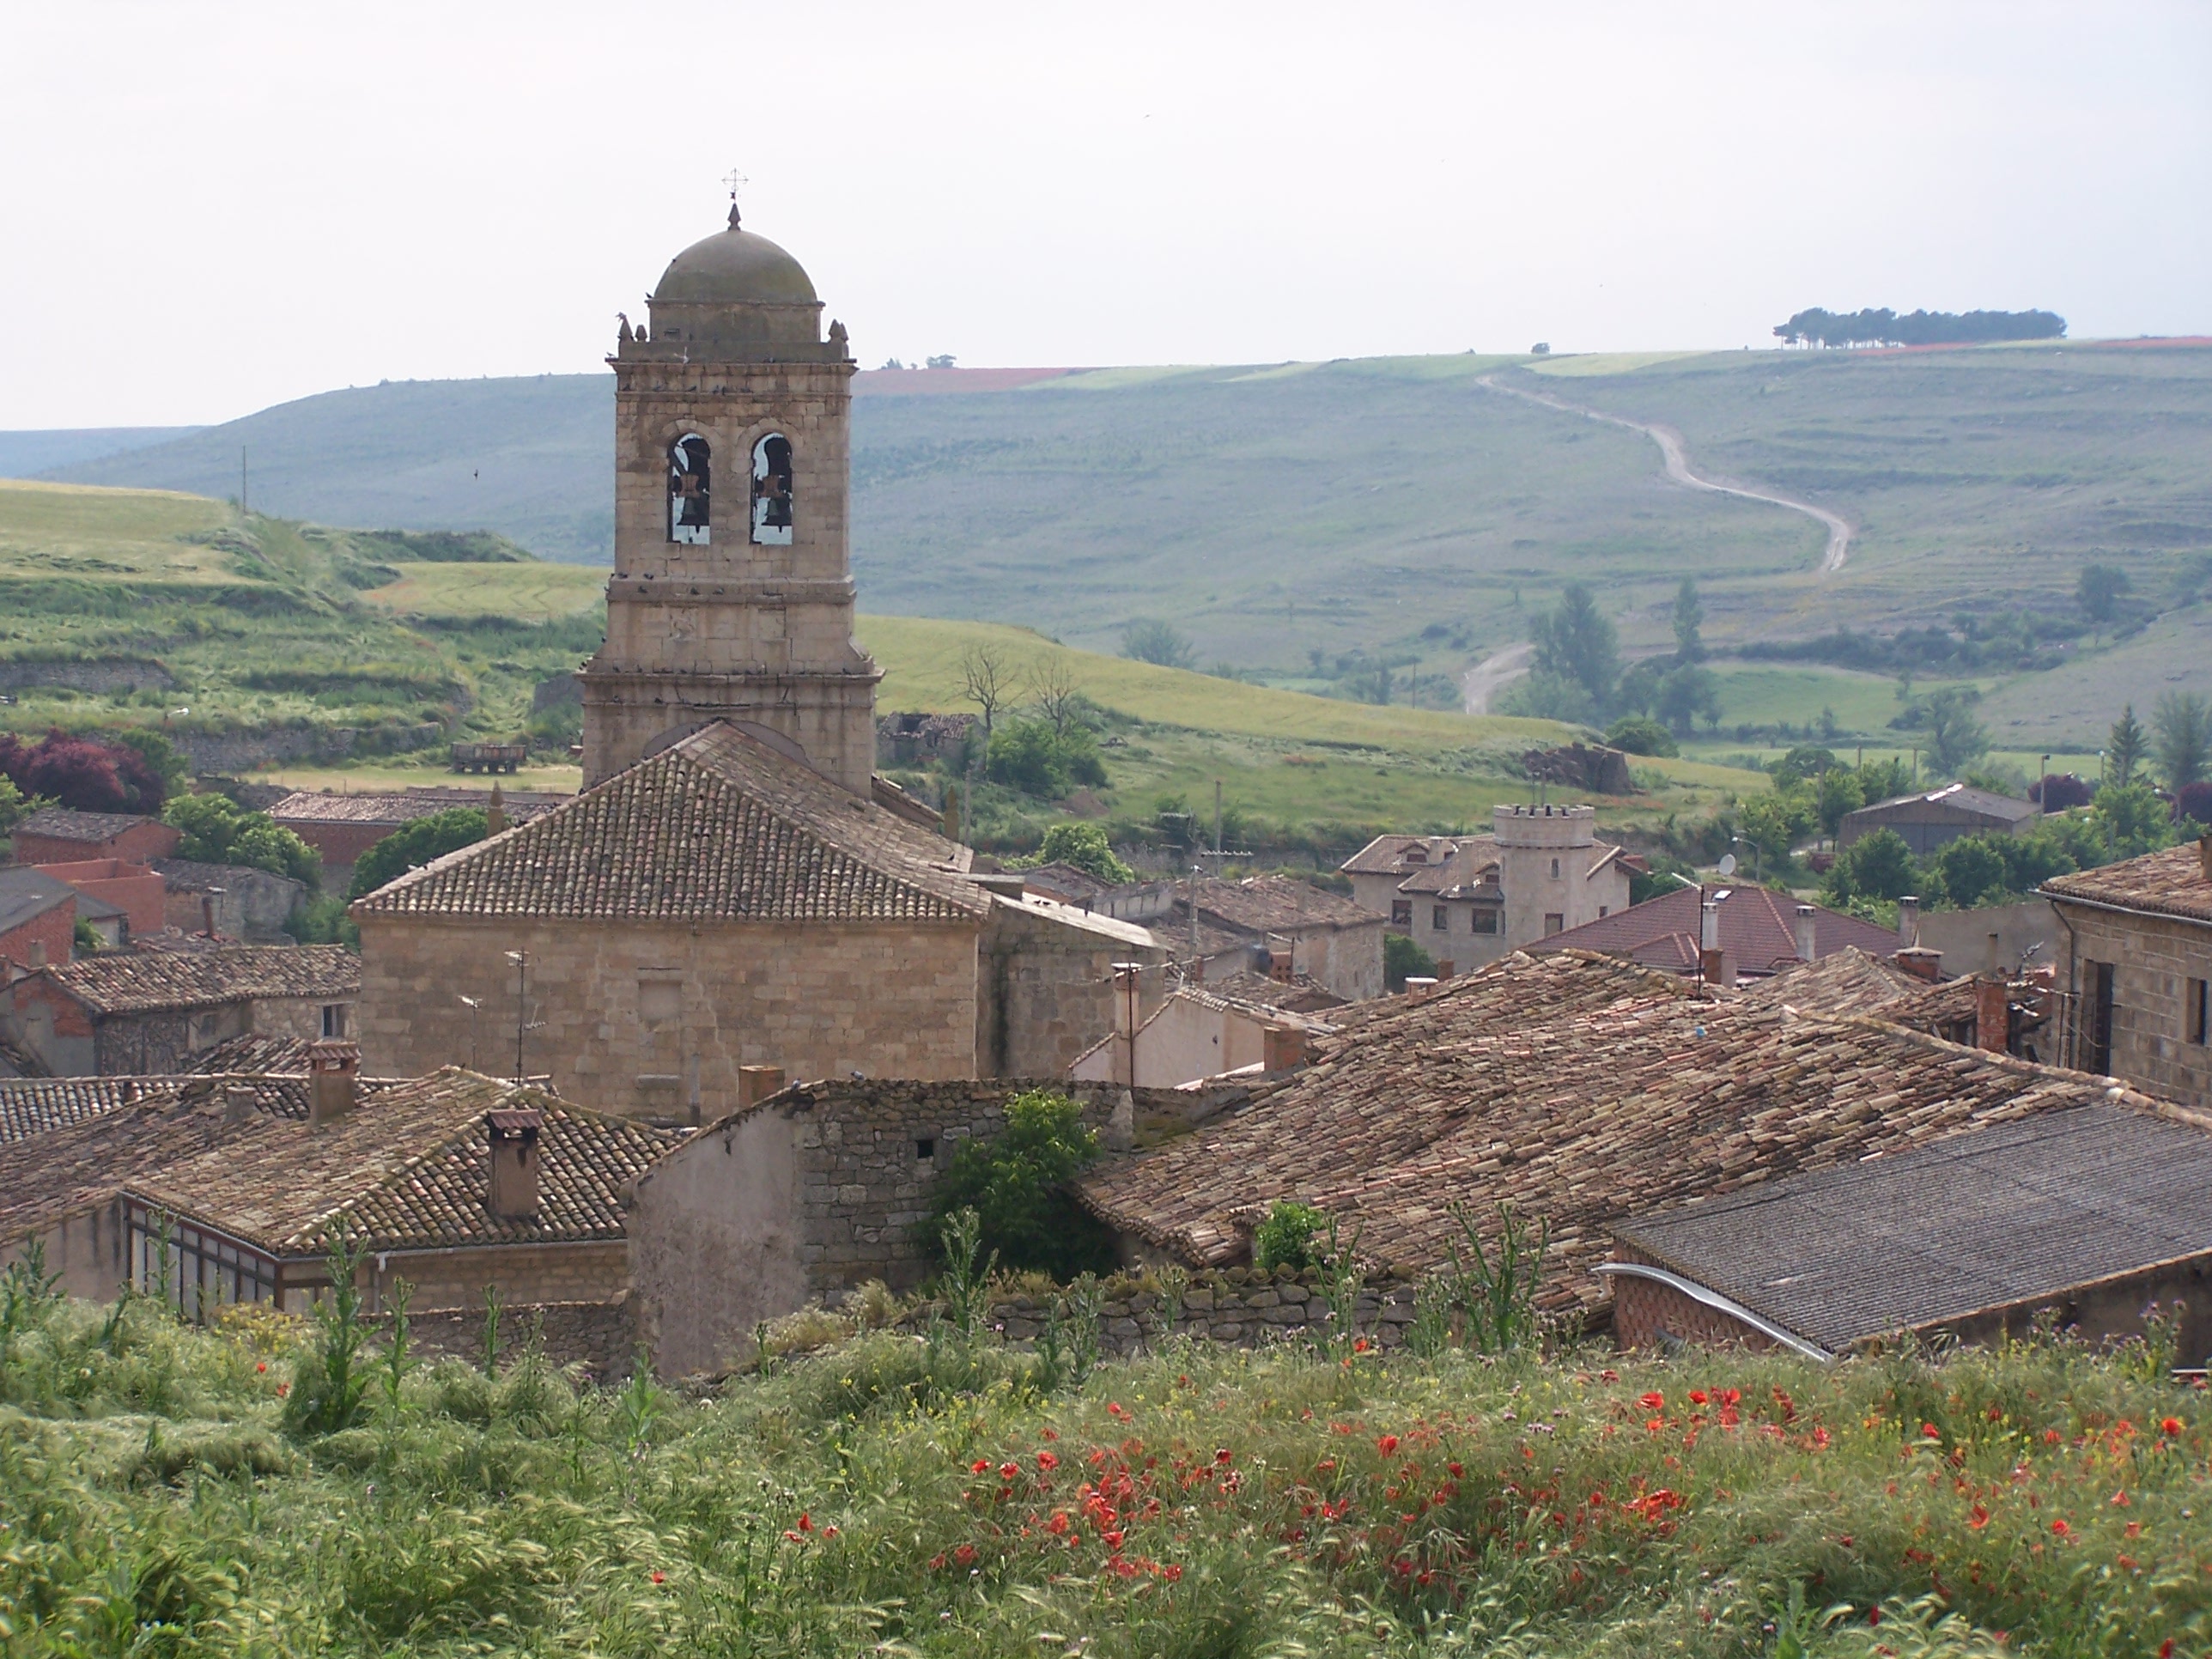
{"x": 1203, "y": 1030}
{"x": 1468, "y": 900}
{"x": 342, "y": 827}
{"x": 149, "y": 1011}
{"x": 228, "y": 900}
{"x": 2137, "y": 969}
{"x": 735, "y": 886}
{"x": 38, "y": 920}
{"x": 1575, "y": 1087}
{"x": 1930, "y": 821}
{"x": 2088, "y": 1213}
{"x": 816, "y": 1188}
{"x": 135, "y": 890}
{"x": 1728, "y": 932}
{"x": 56, "y": 835}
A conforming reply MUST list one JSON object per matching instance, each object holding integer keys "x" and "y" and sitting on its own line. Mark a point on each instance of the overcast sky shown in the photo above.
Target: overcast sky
{"x": 210, "y": 208}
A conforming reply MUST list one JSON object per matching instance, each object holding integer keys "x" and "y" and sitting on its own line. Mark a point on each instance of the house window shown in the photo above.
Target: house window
{"x": 1604, "y": 910}
{"x": 1484, "y": 919}
{"x": 2097, "y": 1019}
{"x": 2197, "y": 1010}
{"x": 925, "y": 1150}
{"x": 334, "y": 1019}
{"x": 772, "y": 490}
{"x": 1439, "y": 919}
{"x": 1401, "y": 913}
{"x": 1554, "y": 923}
{"x": 688, "y": 489}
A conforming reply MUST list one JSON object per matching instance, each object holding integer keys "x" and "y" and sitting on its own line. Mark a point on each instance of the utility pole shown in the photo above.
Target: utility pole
{"x": 1217, "y": 825}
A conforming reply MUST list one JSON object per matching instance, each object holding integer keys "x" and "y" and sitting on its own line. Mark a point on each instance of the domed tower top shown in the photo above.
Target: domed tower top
{"x": 735, "y": 297}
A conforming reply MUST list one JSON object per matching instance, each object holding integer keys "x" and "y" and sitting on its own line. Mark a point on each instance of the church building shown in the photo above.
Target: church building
{"x": 735, "y": 887}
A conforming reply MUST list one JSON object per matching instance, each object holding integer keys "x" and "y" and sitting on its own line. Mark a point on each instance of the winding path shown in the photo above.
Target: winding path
{"x": 1487, "y": 677}
{"x": 1671, "y": 450}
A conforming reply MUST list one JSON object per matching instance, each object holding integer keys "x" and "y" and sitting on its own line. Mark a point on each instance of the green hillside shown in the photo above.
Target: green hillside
{"x": 1300, "y": 520}
{"x": 138, "y": 606}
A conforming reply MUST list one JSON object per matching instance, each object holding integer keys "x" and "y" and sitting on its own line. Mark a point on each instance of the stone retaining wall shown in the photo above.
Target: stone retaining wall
{"x": 1238, "y": 1307}
{"x": 602, "y": 1335}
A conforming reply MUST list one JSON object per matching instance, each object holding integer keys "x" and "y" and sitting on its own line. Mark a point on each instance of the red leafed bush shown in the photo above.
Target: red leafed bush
{"x": 84, "y": 774}
{"x": 2059, "y": 791}
{"x": 2194, "y": 800}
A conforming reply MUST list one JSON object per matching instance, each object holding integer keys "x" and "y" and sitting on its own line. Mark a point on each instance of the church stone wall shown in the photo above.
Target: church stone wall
{"x": 1045, "y": 991}
{"x": 653, "y": 1020}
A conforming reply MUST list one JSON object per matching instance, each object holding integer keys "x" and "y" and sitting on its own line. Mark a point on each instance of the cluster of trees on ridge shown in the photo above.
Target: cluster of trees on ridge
{"x": 1883, "y": 326}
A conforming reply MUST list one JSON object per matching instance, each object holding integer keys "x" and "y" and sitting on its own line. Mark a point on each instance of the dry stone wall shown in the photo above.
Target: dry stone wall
{"x": 1239, "y": 1308}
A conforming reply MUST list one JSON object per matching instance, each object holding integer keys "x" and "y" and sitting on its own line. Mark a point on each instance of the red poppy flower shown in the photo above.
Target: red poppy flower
{"x": 659, "y": 1576}
{"x": 1931, "y": 1431}
{"x": 805, "y": 1522}
{"x": 1058, "y": 1525}
{"x": 1654, "y": 1402}
{"x": 1047, "y": 1461}
{"x": 1113, "y": 1539}
{"x": 2060, "y": 1529}
{"x": 2169, "y": 1427}
{"x": 1979, "y": 1519}
{"x": 1008, "y": 1471}
{"x": 965, "y": 1555}
{"x": 980, "y": 1465}
{"x": 1225, "y": 1456}
{"x": 1457, "y": 1470}
{"x": 1696, "y": 1396}
{"x": 1387, "y": 1445}
{"x": 1173, "y": 1574}
{"x": 264, "y": 1366}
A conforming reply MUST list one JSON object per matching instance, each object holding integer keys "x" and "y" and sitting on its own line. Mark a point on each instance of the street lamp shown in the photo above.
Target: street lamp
{"x": 2043, "y": 786}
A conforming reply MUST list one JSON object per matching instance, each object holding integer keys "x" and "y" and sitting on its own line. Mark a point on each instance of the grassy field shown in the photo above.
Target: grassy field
{"x": 180, "y": 604}
{"x": 951, "y": 1497}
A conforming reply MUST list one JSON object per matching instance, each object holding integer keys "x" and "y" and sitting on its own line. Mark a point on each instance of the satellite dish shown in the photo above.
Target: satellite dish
{"x": 1728, "y": 864}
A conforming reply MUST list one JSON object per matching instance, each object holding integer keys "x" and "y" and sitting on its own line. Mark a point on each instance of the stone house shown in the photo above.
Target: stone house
{"x": 1202, "y": 1030}
{"x": 720, "y": 905}
{"x": 1756, "y": 930}
{"x": 150, "y": 1011}
{"x": 1933, "y": 820}
{"x": 228, "y": 900}
{"x": 2137, "y": 969}
{"x": 1575, "y": 1087}
{"x": 341, "y": 828}
{"x": 38, "y": 920}
{"x": 1272, "y": 925}
{"x": 817, "y": 1189}
{"x": 2096, "y": 1210}
{"x": 56, "y": 835}
{"x": 1468, "y": 900}
{"x": 135, "y": 890}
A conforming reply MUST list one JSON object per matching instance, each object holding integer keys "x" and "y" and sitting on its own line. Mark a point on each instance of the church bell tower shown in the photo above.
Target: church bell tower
{"x": 731, "y": 597}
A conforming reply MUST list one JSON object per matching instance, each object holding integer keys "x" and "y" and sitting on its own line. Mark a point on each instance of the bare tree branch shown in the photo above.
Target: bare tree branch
{"x": 987, "y": 679}
{"x": 1052, "y": 689}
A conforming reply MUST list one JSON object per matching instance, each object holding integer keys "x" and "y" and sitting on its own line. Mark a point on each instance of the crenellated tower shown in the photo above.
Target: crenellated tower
{"x": 731, "y": 597}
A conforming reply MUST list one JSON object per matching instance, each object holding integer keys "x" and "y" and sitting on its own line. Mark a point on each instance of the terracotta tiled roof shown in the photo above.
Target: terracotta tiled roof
{"x": 192, "y": 876}
{"x": 1302, "y": 995}
{"x": 1386, "y": 854}
{"x": 1278, "y": 904}
{"x": 1577, "y": 1087}
{"x": 2004, "y": 1216}
{"x": 35, "y": 1106}
{"x": 2172, "y": 883}
{"x": 1758, "y": 930}
{"x": 255, "y": 1052}
{"x": 716, "y": 827}
{"x": 60, "y": 824}
{"x": 411, "y": 1171}
{"x": 1845, "y": 981}
{"x": 146, "y": 981}
{"x": 399, "y": 810}
{"x": 1468, "y": 864}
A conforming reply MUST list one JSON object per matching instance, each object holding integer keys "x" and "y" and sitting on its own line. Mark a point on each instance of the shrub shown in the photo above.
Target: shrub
{"x": 1084, "y": 847}
{"x": 2059, "y": 791}
{"x": 1018, "y": 1183}
{"x": 218, "y": 831}
{"x": 1878, "y": 865}
{"x": 418, "y": 843}
{"x": 83, "y": 773}
{"x": 1286, "y": 1238}
{"x": 1031, "y": 756}
{"x": 1639, "y": 734}
{"x": 1150, "y": 639}
{"x": 1972, "y": 869}
{"x": 1402, "y": 959}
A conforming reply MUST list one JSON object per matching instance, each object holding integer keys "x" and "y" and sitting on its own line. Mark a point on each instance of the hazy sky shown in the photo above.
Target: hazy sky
{"x": 210, "y": 208}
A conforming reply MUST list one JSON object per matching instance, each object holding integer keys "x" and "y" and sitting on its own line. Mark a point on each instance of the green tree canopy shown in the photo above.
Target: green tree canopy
{"x": 1637, "y": 734}
{"x": 1972, "y": 870}
{"x": 1576, "y": 642}
{"x": 1689, "y": 622}
{"x": 1837, "y": 793}
{"x": 418, "y": 843}
{"x": 2099, "y": 591}
{"x": 1402, "y": 959}
{"x": 2125, "y": 746}
{"x": 1956, "y": 737}
{"x": 216, "y": 831}
{"x": 1150, "y": 639}
{"x": 1084, "y": 847}
{"x": 1877, "y": 866}
{"x": 1030, "y": 756}
{"x": 1019, "y": 1183}
{"x": 2182, "y": 725}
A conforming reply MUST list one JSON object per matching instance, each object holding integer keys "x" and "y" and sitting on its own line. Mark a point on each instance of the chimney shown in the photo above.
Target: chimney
{"x": 36, "y": 957}
{"x": 1709, "y": 926}
{"x": 2204, "y": 855}
{"x": 1922, "y": 963}
{"x": 237, "y": 1105}
{"x": 1418, "y": 987}
{"x": 1993, "y": 956}
{"x": 1283, "y": 1049}
{"x": 495, "y": 812}
{"x": 206, "y": 914}
{"x": 333, "y": 1078}
{"x": 1992, "y": 1016}
{"x": 513, "y": 1185}
{"x": 1711, "y": 965}
{"x": 756, "y": 1083}
{"x": 1807, "y": 916}
{"x": 1279, "y": 967}
{"x": 1908, "y": 923}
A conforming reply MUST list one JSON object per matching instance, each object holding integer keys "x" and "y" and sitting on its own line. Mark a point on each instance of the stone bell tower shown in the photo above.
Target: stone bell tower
{"x": 731, "y": 597}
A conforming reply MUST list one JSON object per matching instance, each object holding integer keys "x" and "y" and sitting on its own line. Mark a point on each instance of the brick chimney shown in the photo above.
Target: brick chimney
{"x": 1922, "y": 963}
{"x": 1908, "y": 923}
{"x": 333, "y": 1080}
{"x": 2204, "y": 855}
{"x": 1992, "y": 1016}
{"x": 36, "y": 957}
{"x": 237, "y": 1105}
{"x": 1807, "y": 916}
{"x": 1283, "y": 1049}
{"x": 513, "y": 1185}
{"x": 1418, "y": 987}
{"x": 756, "y": 1083}
{"x": 1279, "y": 967}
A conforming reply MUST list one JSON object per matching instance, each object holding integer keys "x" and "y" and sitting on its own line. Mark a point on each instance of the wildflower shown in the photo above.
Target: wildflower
{"x": 1114, "y": 1409}
{"x": 2135, "y": 1529}
{"x": 2060, "y": 1529}
{"x": 1654, "y": 1402}
{"x": 1173, "y": 1573}
{"x": 1359, "y": 1344}
{"x": 1225, "y": 1456}
{"x": 1113, "y": 1539}
{"x": 2169, "y": 1427}
{"x": 1457, "y": 1473}
{"x": 1874, "y": 1615}
{"x": 283, "y": 1388}
{"x": 2051, "y": 1437}
{"x": 1008, "y": 1471}
{"x": 828, "y": 1532}
{"x": 980, "y": 1465}
{"x": 1980, "y": 1518}
{"x": 965, "y": 1555}
{"x": 805, "y": 1522}
{"x": 1047, "y": 1461}
{"x": 264, "y": 1366}
{"x": 1929, "y": 1431}
{"x": 1820, "y": 1439}
{"x": 2166, "y": 1649}
{"x": 1731, "y": 1396}
{"x": 2119, "y": 1500}
{"x": 1387, "y": 1445}
{"x": 659, "y": 1576}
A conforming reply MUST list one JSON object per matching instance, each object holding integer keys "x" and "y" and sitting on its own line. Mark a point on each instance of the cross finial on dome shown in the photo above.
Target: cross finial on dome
{"x": 737, "y": 181}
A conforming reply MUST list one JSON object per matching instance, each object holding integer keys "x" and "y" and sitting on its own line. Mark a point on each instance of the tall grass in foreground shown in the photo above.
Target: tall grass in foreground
{"x": 928, "y": 1496}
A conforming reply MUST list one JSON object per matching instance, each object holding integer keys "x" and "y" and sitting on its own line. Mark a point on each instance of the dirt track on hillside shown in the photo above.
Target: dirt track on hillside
{"x": 1489, "y": 677}
{"x": 1673, "y": 451}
